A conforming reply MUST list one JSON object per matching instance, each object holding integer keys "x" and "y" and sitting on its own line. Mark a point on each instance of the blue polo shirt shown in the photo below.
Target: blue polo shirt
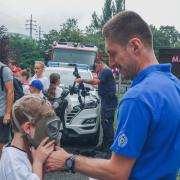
{"x": 149, "y": 124}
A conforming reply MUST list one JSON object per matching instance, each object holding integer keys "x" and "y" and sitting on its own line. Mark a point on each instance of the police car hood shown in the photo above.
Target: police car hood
{"x": 75, "y": 102}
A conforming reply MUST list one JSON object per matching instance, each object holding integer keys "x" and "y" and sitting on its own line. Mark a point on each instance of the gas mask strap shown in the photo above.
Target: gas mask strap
{"x": 27, "y": 146}
{"x": 24, "y": 136}
{"x": 17, "y": 123}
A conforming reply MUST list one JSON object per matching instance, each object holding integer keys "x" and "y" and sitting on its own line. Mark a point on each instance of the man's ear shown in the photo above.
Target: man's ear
{"x": 136, "y": 45}
{"x": 27, "y": 127}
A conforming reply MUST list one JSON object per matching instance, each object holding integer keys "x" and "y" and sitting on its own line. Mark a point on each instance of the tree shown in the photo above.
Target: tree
{"x": 165, "y": 36}
{"x": 17, "y": 46}
{"x": 93, "y": 31}
{"x": 71, "y": 32}
{"x": 110, "y": 9}
{"x": 107, "y": 11}
{"x": 171, "y": 33}
{"x": 26, "y": 52}
{"x": 49, "y": 38}
{"x": 5, "y": 50}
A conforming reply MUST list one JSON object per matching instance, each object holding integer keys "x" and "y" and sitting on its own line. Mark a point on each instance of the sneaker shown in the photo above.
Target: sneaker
{"x": 104, "y": 147}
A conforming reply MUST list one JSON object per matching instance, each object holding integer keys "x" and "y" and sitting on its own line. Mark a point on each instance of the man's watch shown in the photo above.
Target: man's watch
{"x": 70, "y": 163}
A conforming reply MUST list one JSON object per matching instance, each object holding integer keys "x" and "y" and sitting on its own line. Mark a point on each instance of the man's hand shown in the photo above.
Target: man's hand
{"x": 56, "y": 160}
{"x": 79, "y": 80}
{"x": 6, "y": 119}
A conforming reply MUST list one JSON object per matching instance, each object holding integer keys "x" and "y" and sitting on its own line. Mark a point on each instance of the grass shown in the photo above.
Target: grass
{"x": 115, "y": 117}
{"x": 115, "y": 127}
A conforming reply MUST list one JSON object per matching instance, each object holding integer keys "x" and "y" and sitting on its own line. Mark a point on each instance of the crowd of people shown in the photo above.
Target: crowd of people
{"x": 34, "y": 85}
{"x": 146, "y": 144}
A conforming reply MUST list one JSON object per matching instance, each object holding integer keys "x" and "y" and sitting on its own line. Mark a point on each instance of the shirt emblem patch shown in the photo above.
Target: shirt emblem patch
{"x": 122, "y": 140}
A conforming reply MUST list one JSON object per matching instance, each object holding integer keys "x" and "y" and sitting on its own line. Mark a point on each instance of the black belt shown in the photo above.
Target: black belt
{"x": 109, "y": 95}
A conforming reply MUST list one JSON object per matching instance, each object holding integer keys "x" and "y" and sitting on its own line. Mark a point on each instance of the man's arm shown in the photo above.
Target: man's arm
{"x": 88, "y": 81}
{"x": 10, "y": 100}
{"x": 118, "y": 167}
{"x": 95, "y": 86}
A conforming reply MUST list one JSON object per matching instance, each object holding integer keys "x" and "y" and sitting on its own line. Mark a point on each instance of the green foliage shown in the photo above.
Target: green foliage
{"x": 166, "y": 36}
{"x": 177, "y": 45}
{"x": 170, "y": 33}
{"x": 28, "y": 50}
{"x": 93, "y": 31}
{"x": 5, "y": 50}
{"x": 49, "y": 38}
{"x": 71, "y": 32}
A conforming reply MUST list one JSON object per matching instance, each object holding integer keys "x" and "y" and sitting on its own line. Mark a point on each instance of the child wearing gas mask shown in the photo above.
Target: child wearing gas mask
{"x": 34, "y": 123}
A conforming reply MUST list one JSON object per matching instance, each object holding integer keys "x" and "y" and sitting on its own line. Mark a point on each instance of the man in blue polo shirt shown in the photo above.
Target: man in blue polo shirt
{"x": 147, "y": 140}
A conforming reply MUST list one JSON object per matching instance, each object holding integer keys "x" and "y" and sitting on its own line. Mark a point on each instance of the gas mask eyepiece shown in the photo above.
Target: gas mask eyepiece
{"x": 52, "y": 128}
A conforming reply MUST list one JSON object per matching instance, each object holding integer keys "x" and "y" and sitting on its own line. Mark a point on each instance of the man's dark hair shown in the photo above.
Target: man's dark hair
{"x": 13, "y": 62}
{"x": 99, "y": 59}
{"x": 127, "y": 25}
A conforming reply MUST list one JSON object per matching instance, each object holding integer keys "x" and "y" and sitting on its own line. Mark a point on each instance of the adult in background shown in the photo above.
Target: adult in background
{"x": 38, "y": 69}
{"x": 12, "y": 64}
{"x": 7, "y": 99}
{"x": 146, "y": 144}
{"x": 106, "y": 89}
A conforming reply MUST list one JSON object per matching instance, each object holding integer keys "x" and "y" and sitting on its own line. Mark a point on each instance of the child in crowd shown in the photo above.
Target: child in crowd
{"x": 16, "y": 158}
{"x": 36, "y": 86}
{"x": 16, "y": 72}
{"x": 24, "y": 77}
{"x": 54, "y": 93}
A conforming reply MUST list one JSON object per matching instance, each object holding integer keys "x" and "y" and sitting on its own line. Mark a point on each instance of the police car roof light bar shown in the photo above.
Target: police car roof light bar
{"x": 89, "y": 45}
{"x": 62, "y": 43}
{"x": 60, "y": 64}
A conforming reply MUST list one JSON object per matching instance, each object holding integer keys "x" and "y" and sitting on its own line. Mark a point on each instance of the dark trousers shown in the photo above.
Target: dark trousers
{"x": 107, "y": 118}
{"x": 4, "y": 131}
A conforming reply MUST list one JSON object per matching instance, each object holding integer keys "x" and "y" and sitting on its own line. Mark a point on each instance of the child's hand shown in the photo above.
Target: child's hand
{"x": 42, "y": 152}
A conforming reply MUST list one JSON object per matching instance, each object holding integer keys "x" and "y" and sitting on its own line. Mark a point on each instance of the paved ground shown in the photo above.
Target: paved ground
{"x": 70, "y": 147}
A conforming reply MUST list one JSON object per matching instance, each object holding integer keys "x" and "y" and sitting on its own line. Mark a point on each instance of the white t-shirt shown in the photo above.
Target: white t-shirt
{"x": 25, "y": 88}
{"x": 44, "y": 80}
{"x": 15, "y": 165}
{"x": 68, "y": 98}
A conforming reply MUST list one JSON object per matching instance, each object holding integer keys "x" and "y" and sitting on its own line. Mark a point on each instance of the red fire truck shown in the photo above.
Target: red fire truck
{"x": 69, "y": 52}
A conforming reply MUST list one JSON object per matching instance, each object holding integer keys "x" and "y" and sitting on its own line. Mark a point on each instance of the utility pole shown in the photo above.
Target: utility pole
{"x": 31, "y": 28}
{"x": 120, "y": 76}
{"x": 39, "y": 32}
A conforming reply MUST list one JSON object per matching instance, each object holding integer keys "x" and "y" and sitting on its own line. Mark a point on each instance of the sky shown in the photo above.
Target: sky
{"x": 51, "y": 14}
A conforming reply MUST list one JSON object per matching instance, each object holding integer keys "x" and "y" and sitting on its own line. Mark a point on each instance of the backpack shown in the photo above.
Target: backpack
{"x": 18, "y": 89}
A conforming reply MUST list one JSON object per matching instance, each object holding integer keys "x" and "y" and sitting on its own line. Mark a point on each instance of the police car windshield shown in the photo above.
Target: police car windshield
{"x": 74, "y": 56}
{"x": 67, "y": 77}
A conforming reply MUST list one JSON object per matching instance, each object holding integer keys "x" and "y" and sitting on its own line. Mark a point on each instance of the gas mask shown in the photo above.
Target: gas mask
{"x": 48, "y": 126}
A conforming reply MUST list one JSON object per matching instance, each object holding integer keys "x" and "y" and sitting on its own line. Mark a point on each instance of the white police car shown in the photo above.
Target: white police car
{"x": 84, "y": 120}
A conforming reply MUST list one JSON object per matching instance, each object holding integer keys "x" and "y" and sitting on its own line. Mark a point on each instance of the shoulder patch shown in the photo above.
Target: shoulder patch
{"x": 122, "y": 140}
